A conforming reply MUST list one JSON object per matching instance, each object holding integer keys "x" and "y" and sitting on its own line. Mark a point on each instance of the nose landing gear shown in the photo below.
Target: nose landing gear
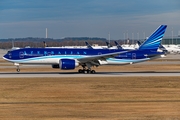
{"x": 17, "y": 67}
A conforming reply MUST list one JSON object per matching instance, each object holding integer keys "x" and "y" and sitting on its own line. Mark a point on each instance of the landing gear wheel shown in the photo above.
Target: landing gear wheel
{"x": 80, "y": 71}
{"x": 88, "y": 71}
{"x": 18, "y": 70}
{"x": 93, "y": 71}
{"x": 85, "y": 71}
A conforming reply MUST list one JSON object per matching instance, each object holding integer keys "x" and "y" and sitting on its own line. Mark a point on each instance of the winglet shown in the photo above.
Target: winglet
{"x": 154, "y": 41}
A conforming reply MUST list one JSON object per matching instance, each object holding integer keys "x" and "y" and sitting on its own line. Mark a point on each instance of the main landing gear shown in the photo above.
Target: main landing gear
{"x": 86, "y": 71}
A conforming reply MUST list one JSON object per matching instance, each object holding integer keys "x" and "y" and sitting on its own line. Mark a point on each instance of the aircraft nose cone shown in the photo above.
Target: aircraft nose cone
{"x": 6, "y": 56}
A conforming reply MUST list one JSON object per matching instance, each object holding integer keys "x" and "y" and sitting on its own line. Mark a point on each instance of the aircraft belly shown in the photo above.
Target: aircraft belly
{"x": 38, "y": 61}
{"x": 117, "y": 62}
{"x": 124, "y": 61}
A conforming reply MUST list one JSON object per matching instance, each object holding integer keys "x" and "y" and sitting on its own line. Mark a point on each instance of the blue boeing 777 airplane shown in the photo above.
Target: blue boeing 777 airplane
{"x": 69, "y": 58}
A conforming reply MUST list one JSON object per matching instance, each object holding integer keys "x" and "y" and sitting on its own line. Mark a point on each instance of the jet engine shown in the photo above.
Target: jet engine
{"x": 66, "y": 64}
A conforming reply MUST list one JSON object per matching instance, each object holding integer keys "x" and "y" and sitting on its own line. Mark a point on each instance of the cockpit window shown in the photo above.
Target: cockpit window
{"x": 9, "y": 52}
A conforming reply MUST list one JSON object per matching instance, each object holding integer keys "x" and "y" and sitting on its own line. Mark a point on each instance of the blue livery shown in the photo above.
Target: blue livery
{"x": 69, "y": 58}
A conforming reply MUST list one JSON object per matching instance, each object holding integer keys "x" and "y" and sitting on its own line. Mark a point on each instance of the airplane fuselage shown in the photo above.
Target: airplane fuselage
{"x": 53, "y": 55}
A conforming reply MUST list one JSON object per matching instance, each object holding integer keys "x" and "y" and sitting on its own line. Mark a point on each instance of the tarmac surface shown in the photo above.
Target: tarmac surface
{"x": 75, "y": 74}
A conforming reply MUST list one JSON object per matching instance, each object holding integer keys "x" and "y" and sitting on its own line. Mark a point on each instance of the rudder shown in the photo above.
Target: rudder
{"x": 154, "y": 41}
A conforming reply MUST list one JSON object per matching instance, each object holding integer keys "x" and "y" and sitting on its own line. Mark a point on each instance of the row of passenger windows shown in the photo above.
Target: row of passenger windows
{"x": 53, "y": 53}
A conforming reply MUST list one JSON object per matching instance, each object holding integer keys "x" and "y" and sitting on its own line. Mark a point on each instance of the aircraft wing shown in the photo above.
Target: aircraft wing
{"x": 100, "y": 57}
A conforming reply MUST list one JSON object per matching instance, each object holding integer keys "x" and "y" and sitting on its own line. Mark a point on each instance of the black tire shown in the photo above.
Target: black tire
{"x": 18, "y": 70}
{"x": 80, "y": 71}
{"x": 93, "y": 71}
{"x": 88, "y": 71}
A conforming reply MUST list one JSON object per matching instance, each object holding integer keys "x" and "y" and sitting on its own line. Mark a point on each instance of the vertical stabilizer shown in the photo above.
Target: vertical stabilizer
{"x": 108, "y": 45}
{"x": 88, "y": 45}
{"x": 154, "y": 41}
{"x": 118, "y": 46}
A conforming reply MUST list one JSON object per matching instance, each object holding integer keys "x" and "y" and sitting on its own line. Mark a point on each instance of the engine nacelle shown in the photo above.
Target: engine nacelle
{"x": 67, "y": 64}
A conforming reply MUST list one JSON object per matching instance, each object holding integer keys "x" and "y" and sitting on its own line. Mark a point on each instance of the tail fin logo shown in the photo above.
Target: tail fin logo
{"x": 154, "y": 41}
